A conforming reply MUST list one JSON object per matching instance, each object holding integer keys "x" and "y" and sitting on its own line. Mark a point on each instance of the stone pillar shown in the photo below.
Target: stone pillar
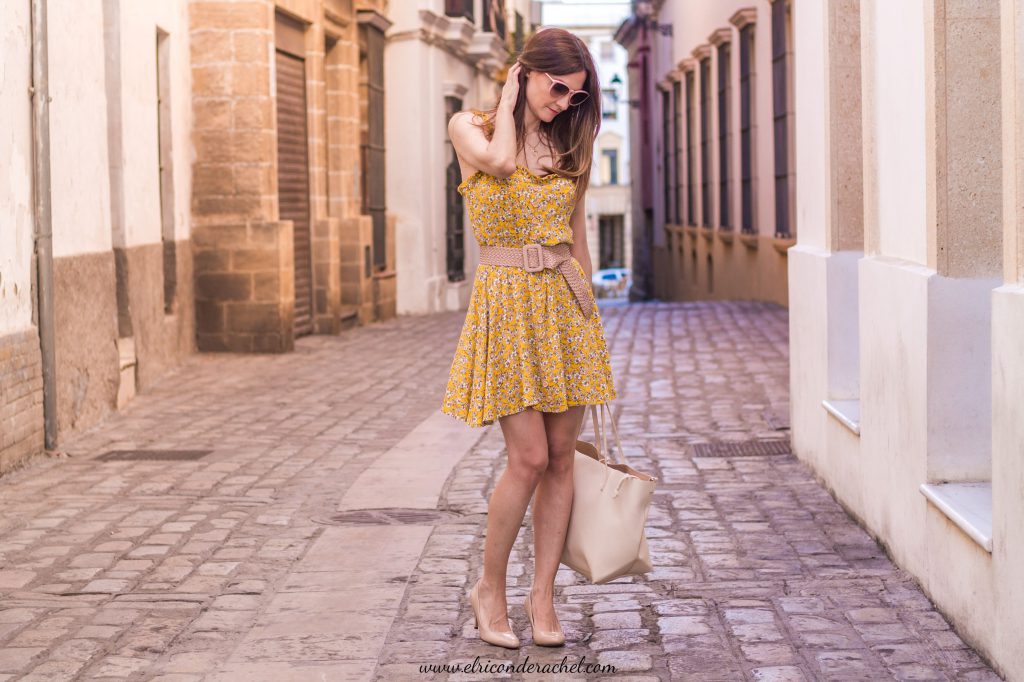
{"x": 1008, "y": 358}
{"x": 243, "y": 255}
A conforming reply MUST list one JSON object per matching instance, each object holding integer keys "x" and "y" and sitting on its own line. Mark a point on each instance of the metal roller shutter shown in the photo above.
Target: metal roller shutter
{"x": 293, "y": 178}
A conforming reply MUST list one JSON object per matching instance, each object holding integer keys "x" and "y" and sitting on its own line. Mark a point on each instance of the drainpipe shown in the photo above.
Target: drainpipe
{"x": 43, "y": 219}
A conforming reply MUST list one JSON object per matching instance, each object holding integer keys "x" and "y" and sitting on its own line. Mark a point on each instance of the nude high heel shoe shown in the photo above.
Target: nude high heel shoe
{"x": 542, "y": 637}
{"x": 505, "y": 639}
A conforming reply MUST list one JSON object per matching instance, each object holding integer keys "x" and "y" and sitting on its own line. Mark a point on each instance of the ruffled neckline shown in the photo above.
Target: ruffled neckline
{"x": 541, "y": 178}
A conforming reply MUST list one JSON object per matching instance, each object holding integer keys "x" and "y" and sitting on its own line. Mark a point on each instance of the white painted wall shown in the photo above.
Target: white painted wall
{"x": 940, "y": 361}
{"x": 16, "y": 223}
{"x": 417, "y": 76}
{"x": 140, "y": 149}
{"x": 78, "y": 128}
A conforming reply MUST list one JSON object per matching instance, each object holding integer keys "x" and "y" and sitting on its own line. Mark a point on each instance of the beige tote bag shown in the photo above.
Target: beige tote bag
{"x": 605, "y": 538}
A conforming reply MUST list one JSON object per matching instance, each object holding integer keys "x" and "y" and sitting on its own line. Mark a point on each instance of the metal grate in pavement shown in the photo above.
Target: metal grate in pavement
{"x": 751, "y": 448}
{"x": 391, "y": 516}
{"x": 152, "y": 455}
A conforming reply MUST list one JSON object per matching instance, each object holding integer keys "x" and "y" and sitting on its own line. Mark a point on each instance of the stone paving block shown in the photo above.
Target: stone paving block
{"x": 13, "y": 579}
{"x": 14, "y": 658}
{"x": 784, "y": 673}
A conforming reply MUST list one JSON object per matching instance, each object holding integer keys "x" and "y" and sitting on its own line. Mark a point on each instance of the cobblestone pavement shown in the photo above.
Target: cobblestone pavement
{"x": 163, "y": 569}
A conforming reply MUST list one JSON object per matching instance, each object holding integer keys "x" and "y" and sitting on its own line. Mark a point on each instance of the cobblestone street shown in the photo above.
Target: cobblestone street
{"x": 254, "y": 562}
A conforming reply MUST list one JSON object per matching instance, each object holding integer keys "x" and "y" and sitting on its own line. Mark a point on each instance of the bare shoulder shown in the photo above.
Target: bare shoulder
{"x": 465, "y": 123}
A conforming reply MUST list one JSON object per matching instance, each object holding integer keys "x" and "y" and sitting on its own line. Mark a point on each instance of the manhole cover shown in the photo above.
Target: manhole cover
{"x": 391, "y": 516}
{"x": 753, "y": 448}
{"x": 153, "y": 455}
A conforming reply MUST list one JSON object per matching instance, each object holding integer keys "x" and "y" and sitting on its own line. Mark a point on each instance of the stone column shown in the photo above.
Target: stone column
{"x": 243, "y": 255}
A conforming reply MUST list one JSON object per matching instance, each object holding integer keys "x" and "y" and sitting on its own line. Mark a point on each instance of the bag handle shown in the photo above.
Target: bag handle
{"x": 601, "y": 434}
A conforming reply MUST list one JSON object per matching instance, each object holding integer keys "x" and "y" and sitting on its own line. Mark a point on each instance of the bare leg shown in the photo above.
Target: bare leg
{"x": 551, "y": 510}
{"x": 527, "y": 460}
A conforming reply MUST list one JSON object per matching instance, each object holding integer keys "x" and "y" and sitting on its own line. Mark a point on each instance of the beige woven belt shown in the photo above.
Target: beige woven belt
{"x": 536, "y": 257}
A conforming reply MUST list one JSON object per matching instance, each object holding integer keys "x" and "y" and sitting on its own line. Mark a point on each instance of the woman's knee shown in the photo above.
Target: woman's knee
{"x": 529, "y": 460}
{"x": 561, "y": 452}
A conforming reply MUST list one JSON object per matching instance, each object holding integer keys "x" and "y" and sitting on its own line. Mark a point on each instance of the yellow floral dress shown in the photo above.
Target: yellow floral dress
{"x": 525, "y": 341}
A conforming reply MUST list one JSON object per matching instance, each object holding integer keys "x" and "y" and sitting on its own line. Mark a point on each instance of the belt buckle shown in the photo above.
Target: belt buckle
{"x": 538, "y": 256}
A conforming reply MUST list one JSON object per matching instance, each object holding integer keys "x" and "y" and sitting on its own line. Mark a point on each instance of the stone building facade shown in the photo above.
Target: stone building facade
{"x": 117, "y": 201}
{"x": 713, "y": 137}
{"x": 292, "y": 231}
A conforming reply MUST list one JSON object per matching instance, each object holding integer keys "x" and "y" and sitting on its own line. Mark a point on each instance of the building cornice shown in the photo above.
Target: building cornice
{"x": 688, "y": 64}
{"x": 742, "y": 17}
{"x": 457, "y": 36}
{"x": 453, "y": 89}
{"x": 702, "y": 51}
{"x": 372, "y": 17}
{"x": 720, "y": 36}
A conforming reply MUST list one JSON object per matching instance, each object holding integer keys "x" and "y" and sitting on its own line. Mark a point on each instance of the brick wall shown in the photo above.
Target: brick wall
{"x": 21, "y": 398}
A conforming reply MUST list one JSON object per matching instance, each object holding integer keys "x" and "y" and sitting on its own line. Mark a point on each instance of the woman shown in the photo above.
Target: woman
{"x": 532, "y": 353}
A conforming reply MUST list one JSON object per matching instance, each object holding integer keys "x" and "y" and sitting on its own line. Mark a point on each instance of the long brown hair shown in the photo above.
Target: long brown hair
{"x": 572, "y": 133}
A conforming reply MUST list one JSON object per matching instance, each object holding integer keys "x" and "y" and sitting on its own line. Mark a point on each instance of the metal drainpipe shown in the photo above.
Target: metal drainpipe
{"x": 43, "y": 219}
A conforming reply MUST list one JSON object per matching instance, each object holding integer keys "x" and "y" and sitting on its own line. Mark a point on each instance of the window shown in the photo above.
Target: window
{"x": 454, "y": 232}
{"x": 519, "y": 37}
{"x": 780, "y": 114}
{"x": 746, "y": 119}
{"x": 611, "y": 231}
{"x": 690, "y": 218}
{"x": 609, "y": 103}
{"x": 607, "y": 50}
{"x": 492, "y": 18}
{"x": 705, "y": 142}
{"x": 459, "y": 8}
{"x": 677, "y": 155}
{"x": 371, "y": 72}
{"x": 723, "y": 136}
{"x": 610, "y": 166}
{"x": 667, "y": 144}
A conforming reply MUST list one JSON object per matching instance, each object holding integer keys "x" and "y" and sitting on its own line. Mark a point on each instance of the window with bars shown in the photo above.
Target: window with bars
{"x": 677, "y": 154}
{"x": 690, "y": 165}
{"x": 724, "y": 218}
{"x": 705, "y": 142}
{"x": 667, "y": 145}
{"x": 459, "y": 8}
{"x": 780, "y": 116}
{"x": 455, "y": 214}
{"x": 371, "y": 60}
{"x": 611, "y": 233}
{"x": 610, "y": 166}
{"x": 746, "y": 133}
{"x": 492, "y": 17}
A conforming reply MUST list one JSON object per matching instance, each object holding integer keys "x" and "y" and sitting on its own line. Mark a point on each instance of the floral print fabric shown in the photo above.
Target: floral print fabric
{"x": 525, "y": 341}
